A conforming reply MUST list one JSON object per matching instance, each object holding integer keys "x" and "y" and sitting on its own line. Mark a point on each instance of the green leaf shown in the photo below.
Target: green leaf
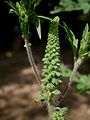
{"x": 13, "y": 6}
{"x": 72, "y": 39}
{"x": 85, "y": 32}
{"x": 84, "y": 51}
{"x": 18, "y": 6}
{"x": 38, "y": 27}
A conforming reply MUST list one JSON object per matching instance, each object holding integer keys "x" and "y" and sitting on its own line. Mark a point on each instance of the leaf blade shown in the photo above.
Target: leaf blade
{"x": 72, "y": 39}
{"x": 38, "y": 27}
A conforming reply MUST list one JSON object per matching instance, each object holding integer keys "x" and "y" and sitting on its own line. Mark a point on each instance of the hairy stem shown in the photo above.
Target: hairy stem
{"x": 31, "y": 61}
{"x": 71, "y": 79}
{"x": 76, "y": 66}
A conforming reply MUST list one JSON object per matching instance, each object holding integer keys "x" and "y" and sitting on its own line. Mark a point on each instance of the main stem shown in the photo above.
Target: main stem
{"x": 31, "y": 61}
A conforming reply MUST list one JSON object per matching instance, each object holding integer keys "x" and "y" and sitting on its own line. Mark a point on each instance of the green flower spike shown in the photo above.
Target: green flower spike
{"x": 51, "y": 70}
{"x": 51, "y": 74}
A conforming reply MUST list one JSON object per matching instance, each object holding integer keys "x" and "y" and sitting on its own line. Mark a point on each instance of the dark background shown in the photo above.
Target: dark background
{"x": 9, "y": 26}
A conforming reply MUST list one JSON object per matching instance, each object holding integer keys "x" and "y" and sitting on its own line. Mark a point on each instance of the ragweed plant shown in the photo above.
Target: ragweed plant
{"x": 50, "y": 93}
{"x": 52, "y": 73}
{"x": 25, "y": 10}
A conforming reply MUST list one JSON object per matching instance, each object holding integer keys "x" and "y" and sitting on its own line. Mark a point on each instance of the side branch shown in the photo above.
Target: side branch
{"x": 71, "y": 79}
{"x": 31, "y": 61}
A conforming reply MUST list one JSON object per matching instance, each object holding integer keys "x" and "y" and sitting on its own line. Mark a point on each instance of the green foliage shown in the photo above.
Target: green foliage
{"x": 82, "y": 81}
{"x": 72, "y": 39}
{"x": 84, "y": 50}
{"x": 27, "y": 16}
{"x": 66, "y": 72}
{"x": 70, "y": 5}
{"x": 83, "y": 84}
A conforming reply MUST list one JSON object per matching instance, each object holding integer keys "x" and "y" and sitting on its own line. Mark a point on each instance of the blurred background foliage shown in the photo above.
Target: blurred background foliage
{"x": 72, "y": 5}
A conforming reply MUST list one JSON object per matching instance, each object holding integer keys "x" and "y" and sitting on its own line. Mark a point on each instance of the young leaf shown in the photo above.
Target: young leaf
{"x": 84, "y": 51}
{"x": 18, "y": 6}
{"x": 38, "y": 27}
{"x": 13, "y": 6}
{"x": 71, "y": 37}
